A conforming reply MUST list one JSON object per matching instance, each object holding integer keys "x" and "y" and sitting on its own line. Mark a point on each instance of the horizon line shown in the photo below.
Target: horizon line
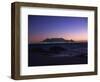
{"x": 75, "y": 41}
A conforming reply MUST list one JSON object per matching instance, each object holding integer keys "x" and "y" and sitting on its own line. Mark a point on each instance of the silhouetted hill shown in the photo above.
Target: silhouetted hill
{"x": 57, "y": 40}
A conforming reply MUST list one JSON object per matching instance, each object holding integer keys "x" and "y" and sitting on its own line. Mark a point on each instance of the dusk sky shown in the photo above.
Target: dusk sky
{"x": 42, "y": 27}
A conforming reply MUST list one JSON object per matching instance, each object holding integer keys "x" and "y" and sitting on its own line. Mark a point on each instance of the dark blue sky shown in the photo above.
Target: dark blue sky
{"x": 42, "y": 27}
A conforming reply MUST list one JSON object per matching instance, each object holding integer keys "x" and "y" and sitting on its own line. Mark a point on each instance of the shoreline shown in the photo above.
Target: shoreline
{"x": 55, "y": 42}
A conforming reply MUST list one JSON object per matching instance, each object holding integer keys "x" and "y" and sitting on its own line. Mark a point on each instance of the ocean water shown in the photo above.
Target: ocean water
{"x": 57, "y": 54}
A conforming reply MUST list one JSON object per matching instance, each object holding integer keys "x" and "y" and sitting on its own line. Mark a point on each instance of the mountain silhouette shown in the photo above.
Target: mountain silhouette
{"x": 57, "y": 40}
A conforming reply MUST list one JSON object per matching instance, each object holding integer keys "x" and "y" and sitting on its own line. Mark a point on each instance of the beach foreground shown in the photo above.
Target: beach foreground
{"x": 57, "y": 54}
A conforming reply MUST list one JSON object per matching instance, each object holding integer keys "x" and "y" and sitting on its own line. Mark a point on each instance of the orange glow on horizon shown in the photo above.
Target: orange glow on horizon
{"x": 81, "y": 37}
{"x": 76, "y": 37}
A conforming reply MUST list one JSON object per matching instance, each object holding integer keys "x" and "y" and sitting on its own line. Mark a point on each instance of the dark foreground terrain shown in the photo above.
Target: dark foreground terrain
{"x": 57, "y": 54}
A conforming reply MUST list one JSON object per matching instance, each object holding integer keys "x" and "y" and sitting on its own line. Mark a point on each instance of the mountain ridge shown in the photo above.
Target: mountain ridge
{"x": 57, "y": 40}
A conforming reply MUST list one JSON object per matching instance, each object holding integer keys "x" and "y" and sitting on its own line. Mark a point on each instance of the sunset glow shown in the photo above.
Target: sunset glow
{"x": 42, "y": 27}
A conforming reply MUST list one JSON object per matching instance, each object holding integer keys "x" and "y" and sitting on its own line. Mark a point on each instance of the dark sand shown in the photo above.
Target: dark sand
{"x": 44, "y": 55}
